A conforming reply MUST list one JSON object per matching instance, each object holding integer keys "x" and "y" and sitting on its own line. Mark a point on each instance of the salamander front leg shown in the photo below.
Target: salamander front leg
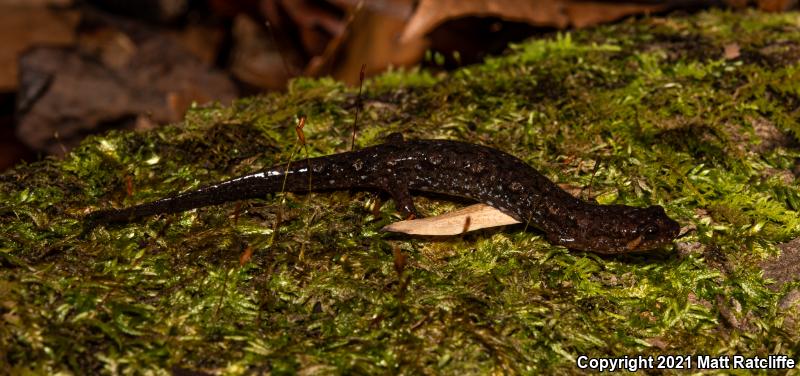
{"x": 404, "y": 202}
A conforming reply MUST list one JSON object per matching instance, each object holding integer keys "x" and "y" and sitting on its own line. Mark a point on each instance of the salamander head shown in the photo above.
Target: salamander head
{"x": 615, "y": 229}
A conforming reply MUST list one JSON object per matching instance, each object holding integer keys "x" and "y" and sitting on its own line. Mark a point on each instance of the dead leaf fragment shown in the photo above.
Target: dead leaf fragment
{"x": 471, "y": 218}
{"x": 583, "y": 14}
{"x": 371, "y": 39}
{"x": 22, "y": 27}
{"x": 431, "y": 13}
{"x": 556, "y": 13}
{"x": 776, "y": 5}
{"x": 63, "y": 91}
{"x": 255, "y": 59}
{"x": 731, "y": 51}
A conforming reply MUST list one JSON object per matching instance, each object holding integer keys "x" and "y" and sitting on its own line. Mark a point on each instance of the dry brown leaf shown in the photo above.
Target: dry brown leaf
{"x": 457, "y": 222}
{"x": 22, "y": 27}
{"x": 201, "y": 40}
{"x": 315, "y": 25}
{"x": 68, "y": 92}
{"x": 582, "y": 14}
{"x": 255, "y": 58}
{"x": 776, "y": 5}
{"x": 431, "y": 13}
{"x": 556, "y": 13}
{"x": 370, "y": 38}
{"x": 114, "y": 47}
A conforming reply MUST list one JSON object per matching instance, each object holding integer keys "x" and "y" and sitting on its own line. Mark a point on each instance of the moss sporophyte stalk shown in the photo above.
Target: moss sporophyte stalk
{"x": 649, "y": 110}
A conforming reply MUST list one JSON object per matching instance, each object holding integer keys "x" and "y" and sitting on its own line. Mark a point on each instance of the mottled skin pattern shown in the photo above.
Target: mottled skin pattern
{"x": 446, "y": 167}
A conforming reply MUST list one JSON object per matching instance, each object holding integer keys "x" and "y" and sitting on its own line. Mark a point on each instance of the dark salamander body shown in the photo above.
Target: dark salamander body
{"x": 446, "y": 167}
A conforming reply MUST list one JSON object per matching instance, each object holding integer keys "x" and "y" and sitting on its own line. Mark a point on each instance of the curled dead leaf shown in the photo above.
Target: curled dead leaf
{"x": 471, "y": 218}
{"x": 555, "y": 13}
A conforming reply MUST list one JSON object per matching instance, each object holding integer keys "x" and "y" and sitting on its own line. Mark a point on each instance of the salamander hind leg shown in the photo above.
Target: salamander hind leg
{"x": 403, "y": 201}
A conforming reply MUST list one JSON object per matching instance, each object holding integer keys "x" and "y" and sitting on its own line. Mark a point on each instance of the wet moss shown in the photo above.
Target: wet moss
{"x": 648, "y": 111}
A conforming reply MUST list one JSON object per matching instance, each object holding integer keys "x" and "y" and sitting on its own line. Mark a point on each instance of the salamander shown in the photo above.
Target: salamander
{"x": 451, "y": 168}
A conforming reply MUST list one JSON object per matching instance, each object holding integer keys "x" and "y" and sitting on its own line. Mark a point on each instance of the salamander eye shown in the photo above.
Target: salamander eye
{"x": 651, "y": 230}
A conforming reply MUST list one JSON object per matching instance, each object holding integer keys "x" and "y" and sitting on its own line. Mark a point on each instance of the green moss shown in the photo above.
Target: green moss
{"x": 648, "y": 111}
{"x": 394, "y": 79}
